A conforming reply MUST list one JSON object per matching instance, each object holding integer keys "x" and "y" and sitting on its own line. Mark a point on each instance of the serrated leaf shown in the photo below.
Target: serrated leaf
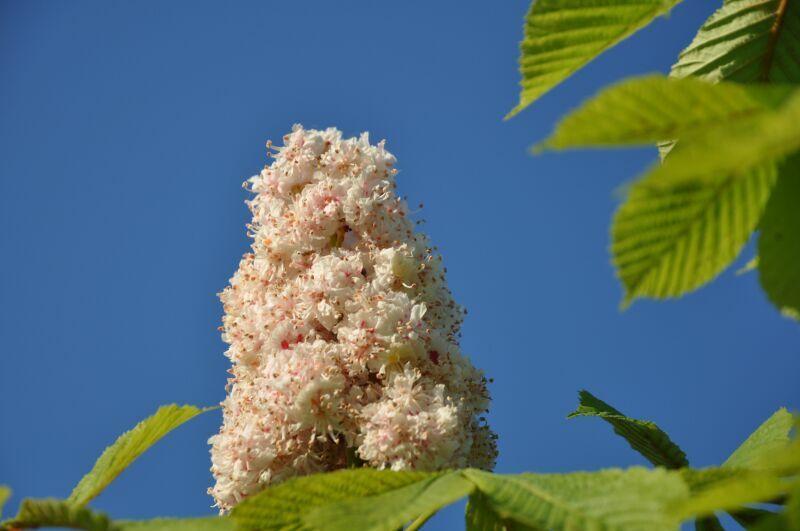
{"x": 674, "y": 233}
{"x": 5, "y": 494}
{"x": 206, "y": 523}
{"x": 561, "y": 36}
{"x": 746, "y": 41}
{"x": 286, "y": 505}
{"x": 770, "y": 436}
{"x": 129, "y": 446}
{"x": 644, "y": 436}
{"x": 57, "y": 513}
{"x": 779, "y": 241}
{"x": 649, "y": 109}
{"x": 480, "y": 516}
{"x": 631, "y": 499}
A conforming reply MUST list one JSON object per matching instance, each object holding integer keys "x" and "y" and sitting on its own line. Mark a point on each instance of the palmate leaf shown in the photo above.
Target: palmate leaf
{"x": 649, "y": 109}
{"x": 770, "y": 436}
{"x": 779, "y": 241}
{"x": 561, "y": 36}
{"x": 687, "y": 219}
{"x": 644, "y": 436}
{"x": 57, "y": 513}
{"x": 746, "y": 41}
{"x": 350, "y": 499}
{"x": 129, "y": 446}
{"x": 609, "y": 499}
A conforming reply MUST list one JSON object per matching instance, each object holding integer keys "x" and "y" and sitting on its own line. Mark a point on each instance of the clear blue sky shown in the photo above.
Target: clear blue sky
{"x": 126, "y": 129}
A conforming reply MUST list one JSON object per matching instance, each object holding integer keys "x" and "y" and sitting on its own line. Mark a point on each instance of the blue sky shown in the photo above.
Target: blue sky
{"x": 127, "y": 128}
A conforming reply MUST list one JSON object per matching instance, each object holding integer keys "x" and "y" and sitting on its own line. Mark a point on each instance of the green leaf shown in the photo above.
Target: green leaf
{"x": 636, "y": 498}
{"x": 57, "y": 513}
{"x": 644, "y": 436}
{"x": 5, "y": 494}
{"x": 207, "y": 523}
{"x": 129, "y": 446}
{"x": 746, "y": 41}
{"x": 649, "y": 109}
{"x": 481, "y": 517}
{"x": 779, "y": 242}
{"x": 675, "y": 233}
{"x": 748, "y": 517}
{"x": 303, "y": 503}
{"x": 391, "y": 510}
{"x": 709, "y": 523}
{"x": 771, "y": 436}
{"x": 743, "y": 488}
{"x": 561, "y": 36}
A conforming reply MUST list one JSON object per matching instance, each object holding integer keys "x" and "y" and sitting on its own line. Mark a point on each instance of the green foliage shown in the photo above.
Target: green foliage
{"x": 295, "y": 502}
{"x": 179, "y": 524}
{"x": 746, "y": 41}
{"x": 687, "y": 219}
{"x": 57, "y": 513}
{"x": 643, "y": 436}
{"x": 609, "y": 499}
{"x": 561, "y": 36}
{"x": 129, "y": 446}
{"x": 771, "y": 436}
{"x": 481, "y": 516}
{"x": 779, "y": 242}
{"x": 653, "y": 108}
{"x": 5, "y": 494}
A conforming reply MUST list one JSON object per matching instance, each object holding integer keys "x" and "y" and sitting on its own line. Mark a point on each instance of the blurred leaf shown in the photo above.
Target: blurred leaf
{"x": 648, "y": 109}
{"x": 481, "y": 517}
{"x": 746, "y": 41}
{"x": 644, "y": 436}
{"x": 561, "y": 36}
{"x": 208, "y": 523}
{"x": 390, "y": 510}
{"x": 129, "y": 446}
{"x": 636, "y": 498}
{"x": 709, "y": 523}
{"x": 779, "y": 241}
{"x": 744, "y": 487}
{"x": 304, "y": 502}
{"x": 748, "y": 517}
{"x": 57, "y": 513}
{"x": 5, "y": 494}
{"x": 751, "y": 265}
{"x": 772, "y": 435}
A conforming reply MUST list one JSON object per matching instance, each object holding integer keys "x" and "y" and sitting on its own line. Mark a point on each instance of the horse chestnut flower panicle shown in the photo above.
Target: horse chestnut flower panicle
{"x": 343, "y": 334}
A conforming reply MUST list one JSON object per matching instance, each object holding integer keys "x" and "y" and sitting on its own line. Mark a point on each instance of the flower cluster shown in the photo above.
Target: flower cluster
{"x": 343, "y": 334}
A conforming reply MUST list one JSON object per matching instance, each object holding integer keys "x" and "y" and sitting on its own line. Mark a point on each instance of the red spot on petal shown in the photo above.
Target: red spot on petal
{"x": 434, "y": 356}
{"x": 299, "y": 338}
{"x": 284, "y": 344}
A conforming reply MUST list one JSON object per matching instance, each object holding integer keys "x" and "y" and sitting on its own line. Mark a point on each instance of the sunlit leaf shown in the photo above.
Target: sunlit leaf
{"x": 129, "y": 446}
{"x": 610, "y": 499}
{"x": 746, "y": 41}
{"x": 561, "y": 36}
{"x": 649, "y": 109}
{"x": 769, "y": 437}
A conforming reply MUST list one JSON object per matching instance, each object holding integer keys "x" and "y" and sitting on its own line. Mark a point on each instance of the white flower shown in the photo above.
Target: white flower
{"x": 341, "y": 329}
